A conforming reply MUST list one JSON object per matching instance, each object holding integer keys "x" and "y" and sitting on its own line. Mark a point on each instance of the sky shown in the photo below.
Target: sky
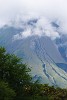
{"x": 46, "y": 10}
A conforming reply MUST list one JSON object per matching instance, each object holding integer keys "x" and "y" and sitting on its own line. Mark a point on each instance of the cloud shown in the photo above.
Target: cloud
{"x": 46, "y": 11}
{"x": 39, "y": 27}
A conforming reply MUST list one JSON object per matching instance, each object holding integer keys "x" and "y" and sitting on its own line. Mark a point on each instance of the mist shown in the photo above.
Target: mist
{"x": 45, "y": 11}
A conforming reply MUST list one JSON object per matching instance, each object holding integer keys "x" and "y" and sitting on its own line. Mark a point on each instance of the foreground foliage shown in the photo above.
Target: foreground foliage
{"x": 16, "y": 84}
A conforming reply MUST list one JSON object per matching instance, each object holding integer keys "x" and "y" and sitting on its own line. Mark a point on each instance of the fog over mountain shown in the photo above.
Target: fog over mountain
{"x": 46, "y": 11}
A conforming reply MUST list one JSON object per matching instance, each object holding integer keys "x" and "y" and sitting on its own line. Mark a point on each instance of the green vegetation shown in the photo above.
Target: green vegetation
{"x": 16, "y": 84}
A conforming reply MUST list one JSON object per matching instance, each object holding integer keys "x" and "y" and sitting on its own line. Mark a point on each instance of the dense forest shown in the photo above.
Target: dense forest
{"x": 16, "y": 82}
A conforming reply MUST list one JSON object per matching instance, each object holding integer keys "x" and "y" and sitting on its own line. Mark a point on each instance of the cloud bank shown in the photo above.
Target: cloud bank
{"x": 46, "y": 11}
{"x": 39, "y": 27}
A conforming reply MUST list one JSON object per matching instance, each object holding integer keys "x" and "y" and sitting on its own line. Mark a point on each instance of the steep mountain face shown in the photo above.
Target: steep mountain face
{"x": 39, "y": 52}
{"x": 61, "y": 44}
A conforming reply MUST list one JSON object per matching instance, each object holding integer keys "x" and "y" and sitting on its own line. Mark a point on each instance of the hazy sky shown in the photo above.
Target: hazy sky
{"x": 54, "y": 10}
{"x": 49, "y": 8}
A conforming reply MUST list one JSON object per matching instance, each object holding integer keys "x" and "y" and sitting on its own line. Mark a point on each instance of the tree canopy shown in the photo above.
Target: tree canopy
{"x": 13, "y": 71}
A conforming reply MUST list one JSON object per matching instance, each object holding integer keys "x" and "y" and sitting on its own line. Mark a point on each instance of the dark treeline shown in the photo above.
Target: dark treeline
{"x": 16, "y": 84}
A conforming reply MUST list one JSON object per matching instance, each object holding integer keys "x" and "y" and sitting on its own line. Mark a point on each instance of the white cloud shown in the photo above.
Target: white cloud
{"x": 28, "y": 9}
{"x": 42, "y": 27}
